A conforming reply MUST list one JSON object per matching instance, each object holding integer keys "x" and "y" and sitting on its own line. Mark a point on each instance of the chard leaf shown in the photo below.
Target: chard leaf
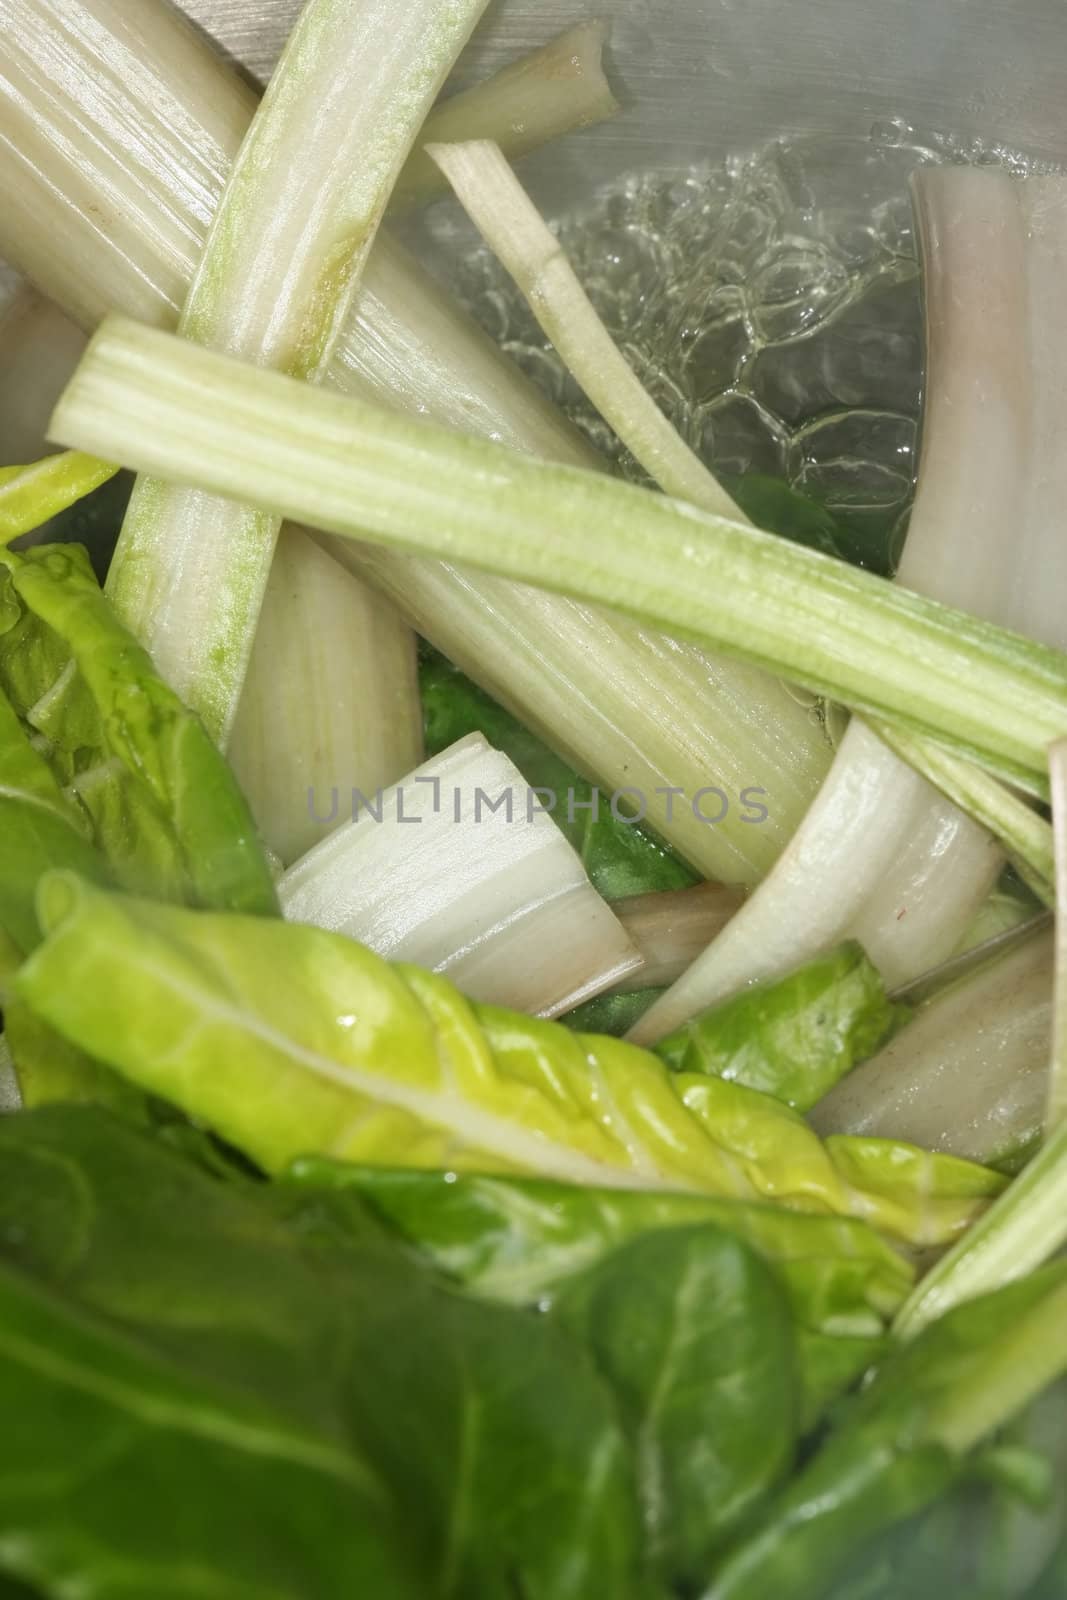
{"x": 245, "y": 1398}
{"x": 290, "y": 1041}
{"x": 525, "y": 1240}
{"x": 39, "y": 829}
{"x": 621, "y": 858}
{"x": 160, "y": 801}
{"x": 692, "y": 1332}
{"x": 904, "y": 1442}
{"x": 794, "y": 1038}
{"x": 49, "y": 1069}
{"x": 522, "y": 1240}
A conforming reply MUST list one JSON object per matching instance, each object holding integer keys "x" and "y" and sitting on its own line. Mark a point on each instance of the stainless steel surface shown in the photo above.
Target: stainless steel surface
{"x": 703, "y": 77}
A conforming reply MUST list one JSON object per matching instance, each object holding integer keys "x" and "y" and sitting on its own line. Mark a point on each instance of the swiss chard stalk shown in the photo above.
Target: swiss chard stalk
{"x": 487, "y": 890}
{"x": 968, "y": 1074}
{"x": 330, "y": 1050}
{"x": 283, "y": 260}
{"x": 352, "y": 468}
{"x": 513, "y": 228}
{"x": 879, "y": 854}
{"x": 330, "y": 701}
{"x": 620, "y": 855}
{"x": 160, "y": 119}
{"x": 527, "y": 104}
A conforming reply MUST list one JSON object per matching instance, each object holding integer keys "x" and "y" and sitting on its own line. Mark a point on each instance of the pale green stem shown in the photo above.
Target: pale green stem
{"x": 353, "y": 469}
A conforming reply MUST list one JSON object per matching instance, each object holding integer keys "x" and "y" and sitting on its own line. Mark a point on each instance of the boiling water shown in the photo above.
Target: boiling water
{"x": 772, "y": 306}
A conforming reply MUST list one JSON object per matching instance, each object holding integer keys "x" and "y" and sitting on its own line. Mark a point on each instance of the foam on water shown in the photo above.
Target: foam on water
{"x": 772, "y": 305}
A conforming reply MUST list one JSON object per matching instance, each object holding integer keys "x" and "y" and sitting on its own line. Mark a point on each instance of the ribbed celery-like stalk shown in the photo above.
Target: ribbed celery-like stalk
{"x": 350, "y": 467}
{"x": 525, "y": 105}
{"x": 117, "y": 126}
{"x": 458, "y": 868}
{"x": 968, "y": 1075}
{"x": 304, "y": 726}
{"x": 281, "y": 266}
{"x": 881, "y": 855}
{"x": 514, "y": 230}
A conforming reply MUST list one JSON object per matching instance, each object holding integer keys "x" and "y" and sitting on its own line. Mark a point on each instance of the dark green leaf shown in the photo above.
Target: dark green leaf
{"x": 902, "y": 1444}
{"x": 621, "y": 859}
{"x": 216, "y": 1387}
{"x": 613, "y": 1014}
{"x": 39, "y": 829}
{"x": 793, "y": 1038}
{"x": 521, "y": 1239}
{"x": 693, "y": 1333}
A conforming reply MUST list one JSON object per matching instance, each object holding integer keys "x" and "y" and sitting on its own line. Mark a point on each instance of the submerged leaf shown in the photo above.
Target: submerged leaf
{"x": 290, "y": 1041}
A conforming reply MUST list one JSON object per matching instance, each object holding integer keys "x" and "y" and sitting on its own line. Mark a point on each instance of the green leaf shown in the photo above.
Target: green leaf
{"x": 49, "y": 1069}
{"x": 693, "y": 1334}
{"x": 162, "y": 803}
{"x": 212, "y": 1387}
{"x": 39, "y": 829}
{"x": 289, "y": 1041}
{"x": 30, "y": 496}
{"x": 904, "y": 1441}
{"x": 621, "y": 858}
{"x": 794, "y": 1038}
{"x": 521, "y": 1240}
{"x": 776, "y": 508}
{"x": 524, "y": 1240}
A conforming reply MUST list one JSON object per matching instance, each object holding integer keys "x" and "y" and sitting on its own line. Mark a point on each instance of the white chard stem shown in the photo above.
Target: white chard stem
{"x": 353, "y": 469}
{"x": 881, "y": 855}
{"x": 459, "y": 868}
{"x": 513, "y": 228}
{"x": 331, "y": 700}
{"x": 539, "y": 98}
{"x": 281, "y": 265}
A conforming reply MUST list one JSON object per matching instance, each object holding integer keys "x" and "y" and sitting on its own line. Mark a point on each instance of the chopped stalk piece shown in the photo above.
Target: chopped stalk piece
{"x": 1028, "y": 1224}
{"x": 511, "y": 225}
{"x": 623, "y": 859}
{"x": 487, "y": 891}
{"x": 307, "y": 723}
{"x": 1026, "y": 836}
{"x": 30, "y": 495}
{"x": 1057, "y": 1095}
{"x": 969, "y": 1074}
{"x": 350, "y": 467}
{"x": 671, "y": 928}
{"x": 536, "y": 99}
{"x": 117, "y": 127}
{"x": 282, "y": 263}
